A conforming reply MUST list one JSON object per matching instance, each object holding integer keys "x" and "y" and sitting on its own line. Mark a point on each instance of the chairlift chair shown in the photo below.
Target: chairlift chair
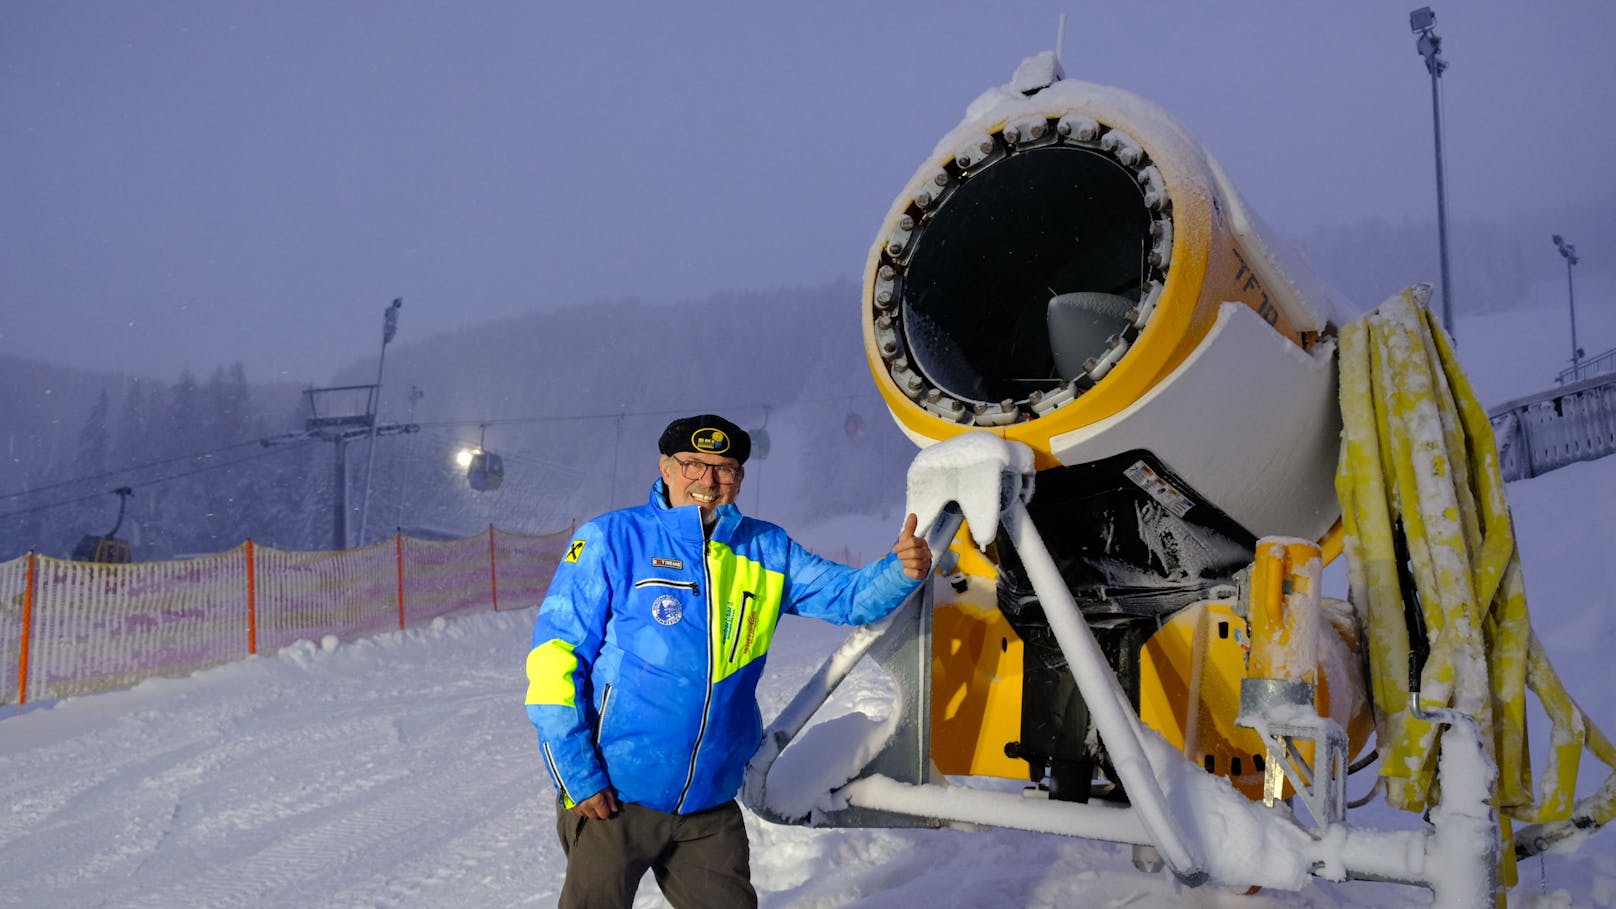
{"x": 486, "y": 471}
{"x": 107, "y": 549}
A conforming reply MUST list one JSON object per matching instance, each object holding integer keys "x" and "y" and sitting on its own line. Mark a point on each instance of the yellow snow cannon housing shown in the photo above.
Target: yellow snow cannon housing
{"x": 1071, "y": 270}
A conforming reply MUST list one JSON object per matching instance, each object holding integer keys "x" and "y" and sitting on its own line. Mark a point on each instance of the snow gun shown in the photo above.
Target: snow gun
{"x": 1144, "y": 433}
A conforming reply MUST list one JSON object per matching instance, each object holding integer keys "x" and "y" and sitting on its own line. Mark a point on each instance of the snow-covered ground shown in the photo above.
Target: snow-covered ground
{"x": 400, "y": 771}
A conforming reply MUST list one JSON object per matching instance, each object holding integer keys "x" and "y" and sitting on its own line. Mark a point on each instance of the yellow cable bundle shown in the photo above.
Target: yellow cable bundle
{"x": 1417, "y": 448}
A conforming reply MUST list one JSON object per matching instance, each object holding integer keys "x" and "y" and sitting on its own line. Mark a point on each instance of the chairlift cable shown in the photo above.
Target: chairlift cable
{"x": 617, "y": 414}
{"x": 155, "y": 480}
{"x": 131, "y": 469}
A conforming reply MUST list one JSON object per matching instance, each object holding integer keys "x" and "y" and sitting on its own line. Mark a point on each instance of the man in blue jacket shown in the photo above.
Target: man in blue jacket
{"x": 643, "y": 676}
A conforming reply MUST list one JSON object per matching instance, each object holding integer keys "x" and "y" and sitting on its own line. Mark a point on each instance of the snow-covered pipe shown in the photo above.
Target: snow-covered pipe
{"x": 1095, "y": 821}
{"x": 1113, "y": 716}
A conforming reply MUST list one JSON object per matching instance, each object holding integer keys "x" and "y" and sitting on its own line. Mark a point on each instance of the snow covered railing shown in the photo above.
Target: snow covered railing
{"x": 1548, "y": 430}
{"x": 1588, "y": 367}
{"x": 71, "y": 628}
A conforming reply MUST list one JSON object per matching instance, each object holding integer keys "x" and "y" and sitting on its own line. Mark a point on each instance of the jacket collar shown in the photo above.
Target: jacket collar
{"x": 686, "y": 519}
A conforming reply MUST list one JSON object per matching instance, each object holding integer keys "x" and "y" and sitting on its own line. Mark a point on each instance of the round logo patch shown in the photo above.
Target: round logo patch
{"x": 712, "y": 441}
{"x": 667, "y": 610}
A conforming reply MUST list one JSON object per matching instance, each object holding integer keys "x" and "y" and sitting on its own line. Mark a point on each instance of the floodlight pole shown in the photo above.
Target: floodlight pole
{"x": 389, "y": 328}
{"x": 416, "y": 394}
{"x": 1569, "y": 252}
{"x": 1423, "y": 22}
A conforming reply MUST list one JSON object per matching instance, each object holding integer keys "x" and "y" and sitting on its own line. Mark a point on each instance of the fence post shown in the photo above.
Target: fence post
{"x": 493, "y": 572}
{"x": 398, "y": 543}
{"x": 27, "y": 623}
{"x": 252, "y": 601}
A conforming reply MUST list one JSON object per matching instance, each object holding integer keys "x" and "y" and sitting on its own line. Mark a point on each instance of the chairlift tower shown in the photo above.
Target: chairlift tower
{"x": 340, "y": 414}
{"x": 336, "y": 414}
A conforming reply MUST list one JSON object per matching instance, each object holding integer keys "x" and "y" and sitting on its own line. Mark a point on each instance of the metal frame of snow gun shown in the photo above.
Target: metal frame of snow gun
{"x": 1169, "y": 797}
{"x": 896, "y": 788}
{"x": 901, "y": 644}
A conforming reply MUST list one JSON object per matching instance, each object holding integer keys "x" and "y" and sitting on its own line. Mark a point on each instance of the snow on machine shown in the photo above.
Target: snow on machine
{"x": 1144, "y": 433}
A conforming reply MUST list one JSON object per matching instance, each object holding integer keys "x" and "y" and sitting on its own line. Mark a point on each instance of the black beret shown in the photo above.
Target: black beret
{"x": 707, "y": 433}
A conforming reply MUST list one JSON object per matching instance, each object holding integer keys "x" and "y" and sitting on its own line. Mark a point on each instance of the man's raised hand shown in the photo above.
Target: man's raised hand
{"x": 912, "y": 551}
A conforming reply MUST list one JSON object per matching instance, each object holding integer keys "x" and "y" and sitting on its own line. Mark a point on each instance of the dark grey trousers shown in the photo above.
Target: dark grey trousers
{"x": 701, "y": 861}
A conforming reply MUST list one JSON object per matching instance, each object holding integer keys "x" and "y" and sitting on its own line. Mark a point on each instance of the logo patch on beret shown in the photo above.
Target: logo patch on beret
{"x": 712, "y": 441}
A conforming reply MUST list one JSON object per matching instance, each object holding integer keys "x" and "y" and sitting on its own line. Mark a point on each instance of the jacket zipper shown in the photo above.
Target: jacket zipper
{"x": 555, "y": 771}
{"x": 707, "y": 704}
{"x": 600, "y": 724}
{"x": 691, "y": 586}
{"x": 740, "y": 622}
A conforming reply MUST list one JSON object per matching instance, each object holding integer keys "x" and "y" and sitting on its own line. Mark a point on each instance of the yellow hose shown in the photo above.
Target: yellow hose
{"x": 1418, "y": 448}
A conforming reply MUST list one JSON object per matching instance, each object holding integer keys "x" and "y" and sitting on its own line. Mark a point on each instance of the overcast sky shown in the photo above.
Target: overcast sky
{"x": 188, "y": 183}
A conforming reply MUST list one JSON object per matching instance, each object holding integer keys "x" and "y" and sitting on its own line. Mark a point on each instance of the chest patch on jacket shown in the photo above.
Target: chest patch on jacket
{"x": 675, "y": 564}
{"x": 574, "y": 551}
{"x": 667, "y": 610}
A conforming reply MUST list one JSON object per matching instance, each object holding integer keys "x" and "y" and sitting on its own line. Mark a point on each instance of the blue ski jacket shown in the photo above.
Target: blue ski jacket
{"x": 650, "y": 642}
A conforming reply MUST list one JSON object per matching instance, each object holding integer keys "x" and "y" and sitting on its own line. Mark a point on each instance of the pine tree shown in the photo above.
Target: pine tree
{"x": 171, "y": 432}
{"x": 95, "y": 440}
{"x": 88, "y": 470}
{"x": 222, "y": 497}
{"x": 136, "y": 438}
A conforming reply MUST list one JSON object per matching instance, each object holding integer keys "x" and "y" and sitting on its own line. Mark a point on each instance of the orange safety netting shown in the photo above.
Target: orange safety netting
{"x": 70, "y": 628}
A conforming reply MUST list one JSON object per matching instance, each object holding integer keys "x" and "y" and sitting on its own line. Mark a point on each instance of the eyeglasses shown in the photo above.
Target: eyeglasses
{"x": 696, "y": 470}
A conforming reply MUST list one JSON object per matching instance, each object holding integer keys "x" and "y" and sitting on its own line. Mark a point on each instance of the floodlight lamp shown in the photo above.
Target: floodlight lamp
{"x": 1568, "y": 250}
{"x": 463, "y": 457}
{"x": 1422, "y": 19}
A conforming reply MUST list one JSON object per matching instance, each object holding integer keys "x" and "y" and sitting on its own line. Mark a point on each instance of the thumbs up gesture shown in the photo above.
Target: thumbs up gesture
{"x": 912, "y": 551}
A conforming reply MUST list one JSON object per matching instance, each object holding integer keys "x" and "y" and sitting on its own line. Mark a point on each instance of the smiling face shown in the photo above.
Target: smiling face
{"x": 707, "y": 490}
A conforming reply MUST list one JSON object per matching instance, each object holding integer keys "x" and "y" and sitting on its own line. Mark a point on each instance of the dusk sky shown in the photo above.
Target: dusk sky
{"x": 192, "y": 182}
